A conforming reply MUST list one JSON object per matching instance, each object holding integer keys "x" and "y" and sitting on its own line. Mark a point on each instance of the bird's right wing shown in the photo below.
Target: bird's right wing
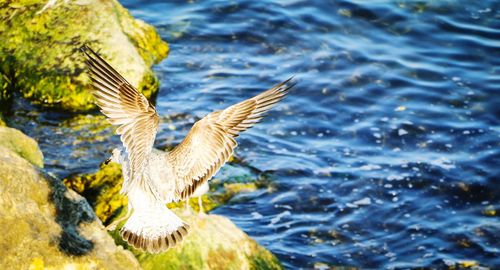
{"x": 124, "y": 106}
{"x": 211, "y": 140}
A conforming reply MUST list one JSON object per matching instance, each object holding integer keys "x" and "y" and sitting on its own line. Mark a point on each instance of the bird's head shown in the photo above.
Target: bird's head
{"x": 115, "y": 156}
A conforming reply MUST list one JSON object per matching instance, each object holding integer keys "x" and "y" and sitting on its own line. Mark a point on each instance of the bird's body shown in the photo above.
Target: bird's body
{"x": 151, "y": 226}
{"x": 153, "y": 178}
{"x": 159, "y": 173}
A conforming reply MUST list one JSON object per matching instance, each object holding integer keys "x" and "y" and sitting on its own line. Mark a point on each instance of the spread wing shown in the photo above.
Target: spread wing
{"x": 126, "y": 107}
{"x": 211, "y": 140}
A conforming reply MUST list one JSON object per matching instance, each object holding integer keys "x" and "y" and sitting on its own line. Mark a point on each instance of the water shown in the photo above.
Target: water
{"x": 385, "y": 155}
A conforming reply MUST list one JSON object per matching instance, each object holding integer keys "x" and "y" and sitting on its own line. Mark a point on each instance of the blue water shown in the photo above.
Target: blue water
{"x": 386, "y": 153}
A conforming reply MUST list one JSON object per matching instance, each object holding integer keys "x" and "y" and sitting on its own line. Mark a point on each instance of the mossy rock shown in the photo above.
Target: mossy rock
{"x": 102, "y": 190}
{"x": 2, "y": 122}
{"x": 214, "y": 242}
{"x": 39, "y": 52}
{"x": 46, "y": 226}
{"x": 24, "y": 146}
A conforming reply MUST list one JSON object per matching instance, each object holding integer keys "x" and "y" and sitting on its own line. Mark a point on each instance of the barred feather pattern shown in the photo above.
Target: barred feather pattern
{"x": 153, "y": 177}
{"x": 211, "y": 141}
{"x": 129, "y": 109}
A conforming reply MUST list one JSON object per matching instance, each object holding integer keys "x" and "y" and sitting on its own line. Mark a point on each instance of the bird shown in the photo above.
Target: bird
{"x": 152, "y": 177}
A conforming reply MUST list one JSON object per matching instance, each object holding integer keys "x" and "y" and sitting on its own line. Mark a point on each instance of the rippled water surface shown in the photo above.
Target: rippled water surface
{"x": 386, "y": 153}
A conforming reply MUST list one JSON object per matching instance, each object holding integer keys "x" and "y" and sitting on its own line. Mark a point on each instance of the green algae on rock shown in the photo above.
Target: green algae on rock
{"x": 24, "y": 146}
{"x": 102, "y": 190}
{"x": 46, "y": 226}
{"x": 214, "y": 242}
{"x": 39, "y": 52}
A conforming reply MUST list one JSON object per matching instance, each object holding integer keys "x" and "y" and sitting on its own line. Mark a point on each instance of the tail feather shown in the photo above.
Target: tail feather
{"x": 155, "y": 244}
{"x": 154, "y": 229}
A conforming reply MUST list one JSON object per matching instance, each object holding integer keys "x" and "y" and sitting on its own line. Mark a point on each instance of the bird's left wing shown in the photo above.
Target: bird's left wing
{"x": 129, "y": 109}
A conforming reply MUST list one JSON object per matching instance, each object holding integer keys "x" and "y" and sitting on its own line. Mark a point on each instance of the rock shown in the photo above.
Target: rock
{"x": 24, "y": 146}
{"x": 214, "y": 242}
{"x": 45, "y": 225}
{"x": 39, "y": 52}
{"x": 102, "y": 190}
{"x": 4, "y": 96}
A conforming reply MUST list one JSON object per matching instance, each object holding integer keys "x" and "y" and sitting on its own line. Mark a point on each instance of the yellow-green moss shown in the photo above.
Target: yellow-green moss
{"x": 214, "y": 242}
{"x": 32, "y": 205}
{"x": 87, "y": 122}
{"x": 102, "y": 190}
{"x": 21, "y": 144}
{"x": 144, "y": 37}
{"x": 216, "y": 197}
{"x": 5, "y": 90}
{"x": 263, "y": 260}
{"x": 39, "y": 53}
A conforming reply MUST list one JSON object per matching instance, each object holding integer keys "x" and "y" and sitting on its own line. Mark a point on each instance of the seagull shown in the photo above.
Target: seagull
{"x": 153, "y": 178}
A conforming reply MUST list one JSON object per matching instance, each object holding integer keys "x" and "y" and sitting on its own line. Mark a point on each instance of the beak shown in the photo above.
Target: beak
{"x": 107, "y": 161}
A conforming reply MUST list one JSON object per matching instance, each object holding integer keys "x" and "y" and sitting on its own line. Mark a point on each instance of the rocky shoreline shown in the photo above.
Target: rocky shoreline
{"x": 40, "y": 58}
{"x": 43, "y": 223}
{"x": 50, "y": 223}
